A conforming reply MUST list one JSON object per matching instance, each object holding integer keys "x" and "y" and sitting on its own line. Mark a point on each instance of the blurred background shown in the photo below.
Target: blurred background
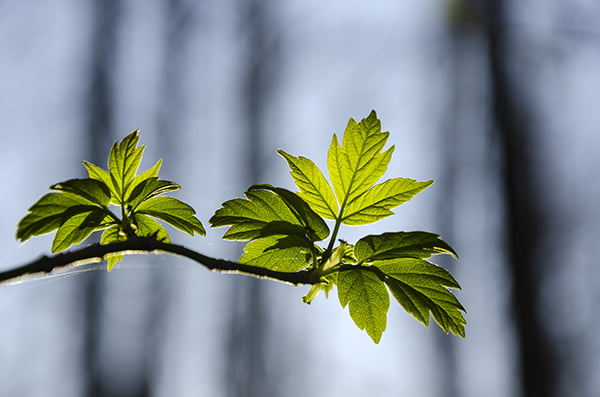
{"x": 496, "y": 100}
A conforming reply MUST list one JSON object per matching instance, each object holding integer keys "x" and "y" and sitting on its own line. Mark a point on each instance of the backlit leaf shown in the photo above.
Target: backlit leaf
{"x": 113, "y": 234}
{"x": 376, "y": 202}
{"x": 356, "y": 164}
{"x": 367, "y": 298}
{"x": 176, "y": 213}
{"x": 422, "y": 288}
{"x": 123, "y": 162}
{"x": 248, "y": 218}
{"x": 149, "y": 188}
{"x": 77, "y": 228}
{"x": 96, "y": 192}
{"x": 400, "y": 245}
{"x": 316, "y": 226}
{"x": 148, "y": 227}
{"x": 282, "y": 253}
{"x": 49, "y": 212}
{"x": 314, "y": 188}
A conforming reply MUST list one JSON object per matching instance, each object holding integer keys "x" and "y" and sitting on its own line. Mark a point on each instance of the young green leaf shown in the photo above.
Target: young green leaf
{"x": 368, "y": 299}
{"x": 113, "y": 234}
{"x": 148, "y": 188}
{"x": 358, "y": 163}
{"x": 422, "y": 288}
{"x": 400, "y": 245}
{"x": 148, "y": 227}
{"x": 103, "y": 176}
{"x": 315, "y": 225}
{"x": 49, "y": 212}
{"x": 92, "y": 190}
{"x": 123, "y": 163}
{"x": 375, "y": 203}
{"x": 77, "y": 228}
{"x": 176, "y": 213}
{"x": 282, "y": 253}
{"x": 251, "y": 218}
{"x": 314, "y": 188}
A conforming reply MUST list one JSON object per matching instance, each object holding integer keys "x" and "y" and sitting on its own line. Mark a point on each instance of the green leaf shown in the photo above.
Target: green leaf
{"x": 176, "y": 213}
{"x": 316, "y": 226}
{"x": 314, "y": 188}
{"x": 262, "y": 213}
{"x": 151, "y": 172}
{"x": 400, "y": 245}
{"x": 358, "y": 163}
{"x": 148, "y": 227}
{"x": 49, "y": 212}
{"x": 376, "y": 202}
{"x": 368, "y": 299}
{"x": 422, "y": 288}
{"x": 103, "y": 176}
{"x": 149, "y": 188}
{"x": 77, "y": 228}
{"x": 113, "y": 234}
{"x": 123, "y": 163}
{"x": 282, "y": 253}
{"x": 94, "y": 191}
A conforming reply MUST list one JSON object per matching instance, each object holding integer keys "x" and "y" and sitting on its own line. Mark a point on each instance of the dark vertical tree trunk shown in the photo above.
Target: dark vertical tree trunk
{"x": 105, "y": 14}
{"x": 247, "y": 358}
{"x": 525, "y": 224}
{"x": 180, "y": 18}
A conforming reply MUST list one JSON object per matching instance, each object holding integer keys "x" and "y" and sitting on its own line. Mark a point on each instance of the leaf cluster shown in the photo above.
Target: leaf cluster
{"x": 78, "y": 207}
{"x": 283, "y": 230}
{"x": 287, "y": 233}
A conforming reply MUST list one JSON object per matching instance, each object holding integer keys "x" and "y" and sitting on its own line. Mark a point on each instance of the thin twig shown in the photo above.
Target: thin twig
{"x": 144, "y": 245}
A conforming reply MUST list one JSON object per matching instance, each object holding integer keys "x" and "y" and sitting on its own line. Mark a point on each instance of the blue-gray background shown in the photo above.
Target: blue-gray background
{"x": 216, "y": 87}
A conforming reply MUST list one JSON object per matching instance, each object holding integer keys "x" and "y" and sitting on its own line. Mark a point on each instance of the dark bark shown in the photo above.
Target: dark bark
{"x": 525, "y": 223}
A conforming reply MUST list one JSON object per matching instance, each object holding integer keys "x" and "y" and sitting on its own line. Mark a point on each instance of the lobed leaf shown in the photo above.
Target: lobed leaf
{"x": 251, "y": 218}
{"x": 49, "y": 212}
{"x": 123, "y": 163}
{"x": 148, "y": 188}
{"x": 77, "y": 228}
{"x": 400, "y": 245}
{"x": 92, "y": 190}
{"x": 282, "y": 253}
{"x": 175, "y": 212}
{"x": 356, "y": 164}
{"x": 421, "y": 288}
{"x": 376, "y": 203}
{"x": 103, "y": 176}
{"x": 316, "y": 226}
{"x": 151, "y": 172}
{"x": 314, "y": 188}
{"x": 367, "y": 298}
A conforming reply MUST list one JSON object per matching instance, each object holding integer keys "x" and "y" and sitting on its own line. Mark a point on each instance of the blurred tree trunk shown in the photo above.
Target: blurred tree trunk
{"x": 247, "y": 355}
{"x": 525, "y": 222}
{"x": 105, "y": 15}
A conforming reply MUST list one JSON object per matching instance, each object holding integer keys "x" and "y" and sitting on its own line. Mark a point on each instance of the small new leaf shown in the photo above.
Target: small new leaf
{"x": 81, "y": 206}
{"x": 368, "y": 299}
{"x": 123, "y": 163}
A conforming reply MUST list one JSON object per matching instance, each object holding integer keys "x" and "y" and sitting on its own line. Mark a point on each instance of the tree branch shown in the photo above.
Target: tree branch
{"x": 144, "y": 245}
